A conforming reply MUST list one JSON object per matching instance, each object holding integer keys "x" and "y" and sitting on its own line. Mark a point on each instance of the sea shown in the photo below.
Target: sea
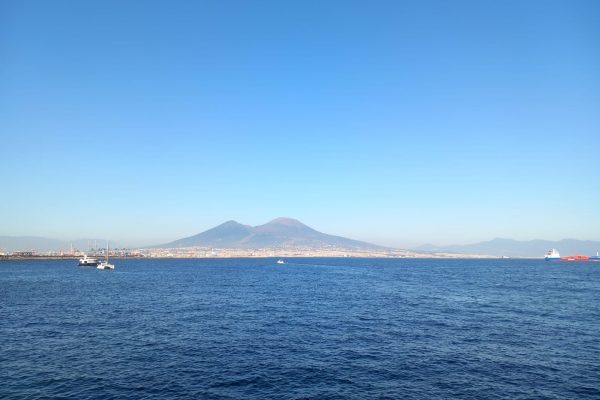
{"x": 312, "y": 328}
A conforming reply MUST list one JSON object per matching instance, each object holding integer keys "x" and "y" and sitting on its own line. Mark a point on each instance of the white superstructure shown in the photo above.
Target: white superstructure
{"x": 88, "y": 261}
{"x": 552, "y": 255}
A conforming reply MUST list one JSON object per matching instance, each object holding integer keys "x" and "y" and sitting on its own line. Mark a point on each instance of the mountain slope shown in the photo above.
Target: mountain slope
{"x": 281, "y": 232}
{"x": 516, "y": 248}
{"x": 219, "y": 236}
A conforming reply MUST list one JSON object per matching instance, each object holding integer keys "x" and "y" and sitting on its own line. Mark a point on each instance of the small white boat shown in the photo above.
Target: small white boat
{"x": 88, "y": 261}
{"x": 105, "y": 264}
{"x": 280, "y": 262}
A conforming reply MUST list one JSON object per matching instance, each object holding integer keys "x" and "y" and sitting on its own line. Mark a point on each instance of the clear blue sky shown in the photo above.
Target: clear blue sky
{"x": 394, "y": 122}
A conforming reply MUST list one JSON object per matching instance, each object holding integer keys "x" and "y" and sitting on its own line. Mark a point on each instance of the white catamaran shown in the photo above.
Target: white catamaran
{"x": 105, "y": 264}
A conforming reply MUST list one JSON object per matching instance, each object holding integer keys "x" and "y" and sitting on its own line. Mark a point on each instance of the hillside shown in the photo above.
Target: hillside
{"x": 516, "y": 248}
{"x": 281, "y": 232}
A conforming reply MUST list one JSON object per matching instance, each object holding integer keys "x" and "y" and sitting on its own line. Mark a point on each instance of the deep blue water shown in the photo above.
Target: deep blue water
{"x": 308, "y": 329}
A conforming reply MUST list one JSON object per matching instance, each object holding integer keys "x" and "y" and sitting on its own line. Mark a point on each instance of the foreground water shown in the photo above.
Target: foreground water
{"x": 308, "y": 329}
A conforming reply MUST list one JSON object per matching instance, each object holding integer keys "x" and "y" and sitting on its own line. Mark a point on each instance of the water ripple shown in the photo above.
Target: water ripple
{"x": 312, "y": 329}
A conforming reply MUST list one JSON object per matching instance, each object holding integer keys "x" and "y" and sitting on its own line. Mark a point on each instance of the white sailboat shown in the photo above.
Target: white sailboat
{"x": 105, "y": 264}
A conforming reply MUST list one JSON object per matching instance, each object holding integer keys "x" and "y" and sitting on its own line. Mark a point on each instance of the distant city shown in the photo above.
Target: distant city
{"x": 205, "y": 252}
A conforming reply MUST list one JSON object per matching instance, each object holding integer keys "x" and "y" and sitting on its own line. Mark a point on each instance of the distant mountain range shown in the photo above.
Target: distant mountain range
{"x": 41, "y": 244}
{"x": 287, "y": 232}
{"x": 516, "y": 248}
{"x": 281, "y": 232}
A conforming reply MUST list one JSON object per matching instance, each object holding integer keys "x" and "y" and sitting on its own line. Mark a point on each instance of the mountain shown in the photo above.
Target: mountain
{"x": 42, "y": 244}
{"x": 281, "y": 232}
{"x": 516, "y": 248}
{"x": 219, "y": 236}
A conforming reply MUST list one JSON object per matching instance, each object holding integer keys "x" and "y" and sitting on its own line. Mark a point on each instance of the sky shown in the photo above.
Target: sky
{"x": 394, "y": 122}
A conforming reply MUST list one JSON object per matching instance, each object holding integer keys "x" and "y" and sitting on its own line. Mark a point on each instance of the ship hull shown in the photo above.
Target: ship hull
{"x": 88, "y": 261}
{"x": 88, "y": 264}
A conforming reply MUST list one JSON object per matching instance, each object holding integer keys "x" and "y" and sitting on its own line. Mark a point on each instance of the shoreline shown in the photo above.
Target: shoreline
{"x": 457, "y": 257}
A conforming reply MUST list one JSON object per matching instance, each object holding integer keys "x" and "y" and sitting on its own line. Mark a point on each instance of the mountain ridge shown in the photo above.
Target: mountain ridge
{"x": 262, "y": 236}
{"x": 518, "y": 248}
{"x": 279, "y": 232}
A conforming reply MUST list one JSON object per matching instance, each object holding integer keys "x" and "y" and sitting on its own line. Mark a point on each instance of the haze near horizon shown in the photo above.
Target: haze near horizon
{"x": 395, "y": 123}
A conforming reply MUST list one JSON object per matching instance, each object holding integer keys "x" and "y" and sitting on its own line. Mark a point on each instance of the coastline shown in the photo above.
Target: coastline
{"x": 420, "y": 257}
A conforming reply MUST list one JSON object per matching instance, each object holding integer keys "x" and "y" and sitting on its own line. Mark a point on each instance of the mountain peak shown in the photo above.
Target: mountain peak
{"x": 231, "y": 223}
{"x": 227, "y": 232}
{"x": 285, "y": 221}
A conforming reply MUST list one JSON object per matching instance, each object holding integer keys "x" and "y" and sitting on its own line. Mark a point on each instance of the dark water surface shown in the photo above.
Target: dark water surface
{"x": 308, "y": 329}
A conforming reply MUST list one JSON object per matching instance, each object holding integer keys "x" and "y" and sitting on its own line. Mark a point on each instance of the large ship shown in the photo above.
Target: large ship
{"x": 552, "y": 255}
